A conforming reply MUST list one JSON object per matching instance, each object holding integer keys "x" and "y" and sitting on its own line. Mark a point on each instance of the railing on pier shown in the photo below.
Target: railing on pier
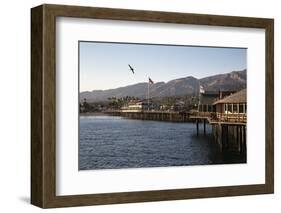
{"x": 230, "y": 117}
{"x": 152, "y": 115}
{"x": 214, "y": 117}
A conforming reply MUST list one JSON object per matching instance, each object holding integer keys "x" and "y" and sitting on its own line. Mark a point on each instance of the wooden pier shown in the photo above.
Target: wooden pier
{"x": 229, "y": 130}
{"x": 153, "y": 115}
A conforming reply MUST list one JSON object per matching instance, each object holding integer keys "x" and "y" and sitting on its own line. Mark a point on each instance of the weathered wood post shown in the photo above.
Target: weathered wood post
{"x": 227, "y": 136}
{"x": 238, "y": 139}
{"x": 197, "y": 126}
{"x": 222, "y": 137}
{"x": 204, "y": 126}
{"x": 244, "y": 139}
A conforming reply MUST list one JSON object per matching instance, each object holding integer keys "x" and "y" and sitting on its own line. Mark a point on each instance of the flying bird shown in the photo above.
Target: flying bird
{"x": 131, "y": 68}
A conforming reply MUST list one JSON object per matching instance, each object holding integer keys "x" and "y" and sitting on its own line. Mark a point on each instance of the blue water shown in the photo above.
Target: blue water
{"x": 109, "y": 142}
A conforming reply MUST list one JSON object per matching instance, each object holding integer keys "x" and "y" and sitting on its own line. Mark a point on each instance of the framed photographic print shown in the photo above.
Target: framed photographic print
{"x": 136, "y": 106}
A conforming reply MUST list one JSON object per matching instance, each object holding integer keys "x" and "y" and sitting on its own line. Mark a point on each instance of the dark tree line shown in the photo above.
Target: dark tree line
{"x": 175, "y": 103}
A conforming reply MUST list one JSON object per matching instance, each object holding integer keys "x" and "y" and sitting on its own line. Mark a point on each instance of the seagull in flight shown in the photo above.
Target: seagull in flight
{"x": 131, "y": 68}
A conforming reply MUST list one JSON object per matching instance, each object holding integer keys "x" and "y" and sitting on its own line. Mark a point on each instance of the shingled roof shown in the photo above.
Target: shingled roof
{"x": 238, "y": 97}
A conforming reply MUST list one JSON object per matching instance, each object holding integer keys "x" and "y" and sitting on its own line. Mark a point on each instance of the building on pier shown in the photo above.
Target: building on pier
{"x": 138, "y": 106}
{"x": 207, "y": 99}
{"x": 235, "y": 103}
{"x": 228, "y": 120}
{"x": 232, "y": 108}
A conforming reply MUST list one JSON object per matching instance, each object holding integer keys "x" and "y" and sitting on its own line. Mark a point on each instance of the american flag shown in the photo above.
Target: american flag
{"x": 202, "y": 89}
{"x": 150, "y": 81}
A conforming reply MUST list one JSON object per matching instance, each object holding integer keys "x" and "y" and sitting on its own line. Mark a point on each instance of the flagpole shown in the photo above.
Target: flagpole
{"x": 199, "y": 98}
{"x": 148, "y": 95}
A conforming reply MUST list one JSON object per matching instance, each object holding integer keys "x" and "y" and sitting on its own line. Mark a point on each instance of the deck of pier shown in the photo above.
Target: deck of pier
{"x": 220, "y": 118}
{"x": 225, "y": 125}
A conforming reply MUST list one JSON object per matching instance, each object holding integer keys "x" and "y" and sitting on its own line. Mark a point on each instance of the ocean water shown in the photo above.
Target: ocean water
{"x": 111, "y": 142}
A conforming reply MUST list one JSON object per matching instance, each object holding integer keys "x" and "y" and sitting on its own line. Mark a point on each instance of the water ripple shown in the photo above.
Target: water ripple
{"x": 108, "y": 142}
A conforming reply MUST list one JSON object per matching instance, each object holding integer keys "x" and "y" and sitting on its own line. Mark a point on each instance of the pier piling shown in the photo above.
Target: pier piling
{"x": 197, "y": 126}
{"x": 204, "y": 124}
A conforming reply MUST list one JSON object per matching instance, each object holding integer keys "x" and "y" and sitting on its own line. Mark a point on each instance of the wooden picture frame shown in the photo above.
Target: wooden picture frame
{"x": 43, "y": 105}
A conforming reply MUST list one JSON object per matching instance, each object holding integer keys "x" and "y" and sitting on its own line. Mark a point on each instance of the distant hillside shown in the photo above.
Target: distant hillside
{"x": 235, "y": 80}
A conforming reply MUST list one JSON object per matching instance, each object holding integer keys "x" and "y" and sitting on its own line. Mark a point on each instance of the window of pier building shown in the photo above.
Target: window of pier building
{"x": 241, "y": 108}
{"x": 235, "y": 108}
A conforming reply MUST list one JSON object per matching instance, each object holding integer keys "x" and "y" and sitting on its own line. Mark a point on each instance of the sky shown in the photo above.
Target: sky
{"x": 105, "y": 65}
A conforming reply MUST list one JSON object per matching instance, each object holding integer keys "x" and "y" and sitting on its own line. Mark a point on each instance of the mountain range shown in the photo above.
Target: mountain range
{"x": 234, "y": 80}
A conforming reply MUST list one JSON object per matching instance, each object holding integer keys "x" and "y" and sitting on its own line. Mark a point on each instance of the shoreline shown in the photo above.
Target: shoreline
{"x": 92, "y": 114}
{"x": 170, "y": 117}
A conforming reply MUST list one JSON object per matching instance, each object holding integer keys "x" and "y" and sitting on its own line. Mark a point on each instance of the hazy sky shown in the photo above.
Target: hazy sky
{"x": 105, "y": 65}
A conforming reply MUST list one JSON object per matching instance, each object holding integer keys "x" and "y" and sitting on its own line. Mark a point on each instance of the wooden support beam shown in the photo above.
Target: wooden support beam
{"x": 237, "y": 138}
{"x": 241, "y": 139}
{"x": 244, "y": 139}
{"x": 197, "y": 127}
{"x": 227, "y": 136}
{"x": 222, "y": 138}
{"x": 204, "y": 126}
